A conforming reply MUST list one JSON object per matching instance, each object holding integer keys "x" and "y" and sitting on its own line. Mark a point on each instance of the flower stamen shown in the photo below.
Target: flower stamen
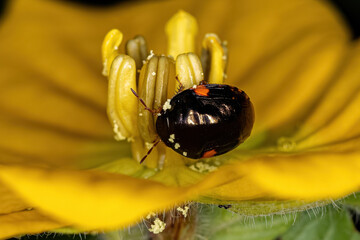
{"x": 137, "y": 49}
{"x": 154, "y": 79}
{"x": 188, "y": 70}
{"x": 153, "y": 91}
{"x": 181, "y": 30}
{"x": 109, "y": 49}
{"x": 214, "y": 59}
{"x": 122, "y": 106}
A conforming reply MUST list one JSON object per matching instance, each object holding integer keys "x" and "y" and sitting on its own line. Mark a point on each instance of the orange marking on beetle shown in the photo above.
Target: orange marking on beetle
{"x": 209, "y": 154}
{"x": 201, "y": 90}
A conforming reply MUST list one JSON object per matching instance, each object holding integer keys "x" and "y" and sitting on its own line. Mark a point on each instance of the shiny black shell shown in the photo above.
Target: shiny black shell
{"x": 206, "y": 120}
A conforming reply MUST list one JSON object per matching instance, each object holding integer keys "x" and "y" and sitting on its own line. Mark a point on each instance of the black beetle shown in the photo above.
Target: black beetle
{"x": 206, "y": 120}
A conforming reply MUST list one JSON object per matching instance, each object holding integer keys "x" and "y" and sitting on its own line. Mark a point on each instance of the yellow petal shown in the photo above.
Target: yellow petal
{"x": 300, "y": 178}
{"x": 90, "y": 199}
{"x": 52, "y": 101}
{"x": 285, "y": 71}
{"x": 325, "y": 156}
{"x": 26, "y": 222}
{"x": 336, "y": 117}
{"x": 271, "y": 65}
{"x": 35, "y": 143}
{"x": 10, "y": 202}
{"x": 311, "y": 176}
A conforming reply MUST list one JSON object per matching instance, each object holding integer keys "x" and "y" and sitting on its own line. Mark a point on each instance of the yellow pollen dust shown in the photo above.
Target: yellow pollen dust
{"x": 183, "y": 211}
{"x": 157, "y": 227}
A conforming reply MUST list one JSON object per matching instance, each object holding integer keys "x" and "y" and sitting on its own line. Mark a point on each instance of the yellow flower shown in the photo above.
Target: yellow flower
{"x": 61, "y": 167}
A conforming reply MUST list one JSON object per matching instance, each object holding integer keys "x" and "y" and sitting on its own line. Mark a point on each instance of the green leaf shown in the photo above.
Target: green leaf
{"x": 335, "y": 224}
{"x": 216, "y": 223}
{"x": 353, "y": 202}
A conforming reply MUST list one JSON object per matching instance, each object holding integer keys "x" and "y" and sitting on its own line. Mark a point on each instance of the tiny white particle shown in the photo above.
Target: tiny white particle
{"x": 116, "y": 48}
{"x": 140, "y": 114}
{"x": 172, "y": 136}
{"x": 177, "y": 146}
{"x": 167, "y": 105}
{"x": 157, "y": 227}
{"x": 150, "y": 55}
{"x": 159, "y": 114}
{"x": 171, "y": 140}
{"x": 150, "y": 215}
{"x": 194, "y": 86}
{"x": 153, "y": 73}
{"x": 183, "y": 210}
{"x": 185, "y": 154}
{"x": 149, "y": 145}
{"x": 118, "y": 136}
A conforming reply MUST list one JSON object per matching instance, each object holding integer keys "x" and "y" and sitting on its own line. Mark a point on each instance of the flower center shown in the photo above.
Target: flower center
{"x": 154, "y": 80}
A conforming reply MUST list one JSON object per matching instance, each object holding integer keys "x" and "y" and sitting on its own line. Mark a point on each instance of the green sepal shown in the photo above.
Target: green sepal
{"x": 352, "y": 202}
{"x": 325, "y": 223}
{"x": 217, "y": 223}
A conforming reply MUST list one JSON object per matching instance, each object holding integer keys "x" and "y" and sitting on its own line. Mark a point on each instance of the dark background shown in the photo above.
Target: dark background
{"x": 350, "y": 9}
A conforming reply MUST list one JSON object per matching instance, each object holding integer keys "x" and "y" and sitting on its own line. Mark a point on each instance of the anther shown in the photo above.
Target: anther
{"x": 188, "y": 70}
{"x": 153, "y": 90}
{"x": 137, "y": 49}
{"x": 109, "y": 49}
{"x": 214, "y": 58}
{"x": 153, "y": 111}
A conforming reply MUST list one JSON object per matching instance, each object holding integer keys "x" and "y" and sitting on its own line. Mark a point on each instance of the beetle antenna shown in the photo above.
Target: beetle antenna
{"x": 181, "y": 86}
{"x": 147, "y": 154}
{"x": 143, "y": 103}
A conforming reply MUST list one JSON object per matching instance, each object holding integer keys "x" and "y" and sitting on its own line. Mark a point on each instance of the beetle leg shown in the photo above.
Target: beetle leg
{"x": 143, "y": 103}
{"x": 147, "y": 154}
{"x": 181, "y": 86}
{"x": 158, "y": 110}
